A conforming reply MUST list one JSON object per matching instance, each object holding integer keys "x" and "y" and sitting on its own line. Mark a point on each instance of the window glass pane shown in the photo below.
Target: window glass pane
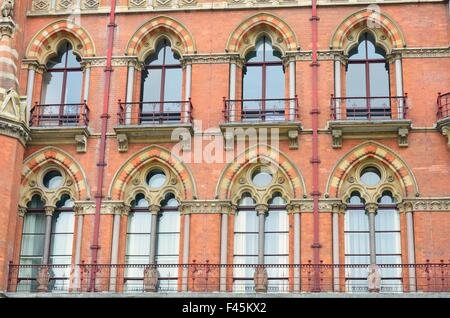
{"x": 372, "y": 52}
{"x": 139, "y": 222}
{"x": 168, "y": 244}
{"x": 245, "y": 244}
{"x": 277, "y": 221}
{"x": 356, "y": 84}
{"x": 271, "y": 55}
{"x": 156, "y": 178}
{"x": 157, "y": 58}
{"x": 73, "y": 91}
{"x": 258, "y": 54}
{"x": 379, "y": 85}
{"x": 51, "y": 90}
{"x": 138, "y": 244}
{"x": 356, "y": 220}
{"x": 140, "y": 201}
{"x": 276, "y": 243}
{"x": 388, "y": 243}
{"x": 357, "y": 243}
{"x": 34, "y": 223}
{"x": 32, "y": 245}
{"x": 172, "y": 58}
{"x": 252, "y": 87}
{"x": 172, "y": 88}
{"x": 246, "y": 221}
{"x": 151, "y": 89}
{"x": 63, "y": 222}
{"x": 387, "y": 220}
{"x": 275, "y": 90}
{"x": 358, "y": 52}
{"x": 169, "y": 222}
{"x": 73, "y": 61}
{"x": 61, "y": 244}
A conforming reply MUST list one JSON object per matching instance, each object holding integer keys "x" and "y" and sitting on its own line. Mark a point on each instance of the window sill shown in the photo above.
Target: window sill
{"x": 373, "y": 129}
{"x": 52, "y": 135}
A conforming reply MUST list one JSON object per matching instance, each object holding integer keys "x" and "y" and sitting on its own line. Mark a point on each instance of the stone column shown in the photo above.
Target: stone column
{"x": 337, "y": 209}
{"x": 118, "y": 211}
{"x": 261, "y": 279}
{"x": 295, "y": 209}
{"x": 87, "y": 80}
{"x": 371, "y": 209}
{"x": 130, "y": 86}
{"x": 49, "y": 210}
{"x": 232, "y": 92}
{"x": 79, "y": 216}
{"x": 187, "y": 94}
{"x": 337, "y": 86}
{"x": 292, "y": 81}
{"x": 30, "y": 86}
{"x": 399, "y": 84}
{"x": 151, "y": 274}
{"x": 224, "y": 248}
{"x": 408, "y": 209}
{"x": 186, "y": 238}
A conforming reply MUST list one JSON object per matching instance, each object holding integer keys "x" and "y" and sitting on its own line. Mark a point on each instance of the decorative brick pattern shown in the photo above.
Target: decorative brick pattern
{"x": 44, "y": 41}
{"x": 144, "y": 38}
{"x": 152, "y": 153}
{"x": 282, "y": 32}
{"x": 62, "y": 159}
{"x": 378, "y": 152}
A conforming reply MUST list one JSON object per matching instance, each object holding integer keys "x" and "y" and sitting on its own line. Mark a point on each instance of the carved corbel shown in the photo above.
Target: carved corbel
{"x": 122, "y": 141}
{"x": 293, "y": 139}
{"x": 81, "y": 141}
{"x": 337, "y": 138}
{"x": 403, "y": 137}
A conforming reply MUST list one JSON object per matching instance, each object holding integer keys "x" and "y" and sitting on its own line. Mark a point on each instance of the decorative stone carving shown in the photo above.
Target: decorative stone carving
{"x": 206, "y": 207}
{"x": 13, "y": 118}
{"x": 42, "y": 279}
{"x": 374, "y": 279}
{"x": 137, "y": 3}
{"x": 261, "y": 280}
{"x": 403, "y": 137}
{"x": 8, "y": 9}
{"x": 122, "y": 141}
{"x": 90, "y": 4}
{"x": 429, "y": 204}
{"x": 371, "y": 207}
{"x": 64, "y": 4}
{"x": 293, "y": 139}
{"x": 21, "y": 211}
{"x": 151, "y": 277}
{"x": 41, "y": 5}
{"x": 81, "y": 141}
{"x": 337, "y": 138}
{"x": 229, "y": 139}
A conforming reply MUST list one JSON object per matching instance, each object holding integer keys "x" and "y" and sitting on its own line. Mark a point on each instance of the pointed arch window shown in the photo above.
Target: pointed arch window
{"x": 367, "y": 81}
{"x": 161, "y": 86}
{"x": 263, "y": 84}
{"x": 61, "y": 96}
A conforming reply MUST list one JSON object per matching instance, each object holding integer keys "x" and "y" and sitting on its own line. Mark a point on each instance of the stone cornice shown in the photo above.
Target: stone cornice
{"x": 429, "y": 204}
{"x": 107, "y": 208}
{"x": 423, "y": 52}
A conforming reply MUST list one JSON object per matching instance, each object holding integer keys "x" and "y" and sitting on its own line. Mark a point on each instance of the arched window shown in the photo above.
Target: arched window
{"x": 367, "y": 81}
{"x": 62, "y": 89}
{"x": 168, "y": 243}
{"x": 387, "y": 243}
{"x": 276, "y": 240}
{"x": 263, "y": 82}
{"x": 32, "y": 247}
{"x": 137, "y": 242}
{"x": 161, "y": 86}
{"x": 61, "y": 242}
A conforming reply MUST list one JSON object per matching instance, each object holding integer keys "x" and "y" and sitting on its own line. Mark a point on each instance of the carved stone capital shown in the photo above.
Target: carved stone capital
{"x": 21, "y": 211}
{"x": 49, "y": 210}
{"x": 339, "y": 207}
{"x": 371, "y": 207}
{"x": 262, "y": 209}
{"x": 7, "y": 27}
{"x": 154, "y": 208}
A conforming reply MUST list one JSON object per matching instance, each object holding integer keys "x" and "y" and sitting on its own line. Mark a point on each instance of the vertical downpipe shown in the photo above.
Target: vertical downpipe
{"x": 104, "y": 126}
{"x": 315, "y": 148}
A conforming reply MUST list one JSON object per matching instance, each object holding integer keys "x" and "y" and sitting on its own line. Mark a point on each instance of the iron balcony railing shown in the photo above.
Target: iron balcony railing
{"x": 443, "y": 105}
{"x": 289, "y": 278}
{"x": 49, "y": 115}
{"x": 369, "y": 108}
{"x": 261, "y": 110}
{"x": 151, "y": 113}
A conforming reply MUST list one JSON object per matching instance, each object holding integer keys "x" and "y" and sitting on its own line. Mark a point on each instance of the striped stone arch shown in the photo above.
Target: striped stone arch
{"x": 386, "y": 31}
{"x": 53, "y": 155}
{"x": 380, "y": 153}
{"x": 45, "y": 43}
{"x": 253, "y": 155}
{"x": 125, "y": 174}
{"x": 144, "y": 39}
{"x": 244, "y": 36}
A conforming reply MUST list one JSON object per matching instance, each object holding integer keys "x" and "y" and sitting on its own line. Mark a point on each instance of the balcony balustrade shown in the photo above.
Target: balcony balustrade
{"x": 54, "y": 115}
{"x": 288, "y": 278}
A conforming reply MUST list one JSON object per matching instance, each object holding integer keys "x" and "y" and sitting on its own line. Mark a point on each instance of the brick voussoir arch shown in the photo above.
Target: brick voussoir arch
{"x": 144, "y": 39}
{"x": 45, "y": 42}
{"x": 255, "y": 155}
{"x": 376, "y": 151}
{"x": 49, "y": 155}
{"x": 285, "y": 36}
{"x": 152, "y": 153}
{"x": 367, "y": 19}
